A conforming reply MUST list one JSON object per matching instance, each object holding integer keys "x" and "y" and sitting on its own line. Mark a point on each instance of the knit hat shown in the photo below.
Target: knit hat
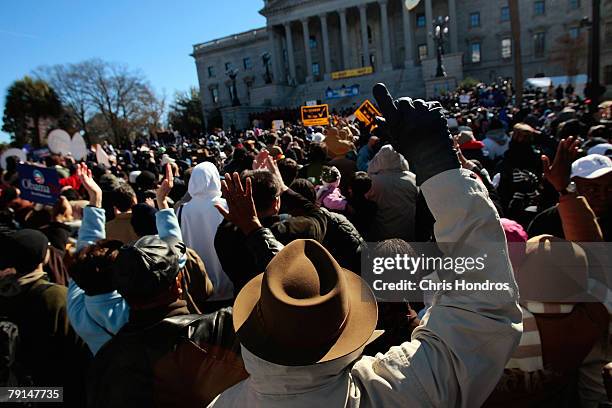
{"x": 23, "y": 250}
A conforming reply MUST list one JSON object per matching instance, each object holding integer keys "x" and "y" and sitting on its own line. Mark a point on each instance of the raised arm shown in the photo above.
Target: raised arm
{"x": 458, "y": 354}
{"x": 94, "y": 218}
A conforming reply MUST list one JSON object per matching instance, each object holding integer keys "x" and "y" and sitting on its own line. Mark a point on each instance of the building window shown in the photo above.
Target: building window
{"x": 422, "y": 52}
{"x": 574, "y": 4}
{"x": 539, "y": 44}
{"x": 211, "y": 72}
{"x": 247, "y": 63}
{"x": 369, "y": 34}
{"x": 506, "y": 48}
{"x": 608, "y": 74}
{"x": 475, "y": 19}
{"x": 312, "y": 42}
{"x": 475, "y": 52}
{"x": 420, "y": 20}
{"x": 574, "y": 33}
{"x": 505, "y": 14}
{"x": 316, "y": 70}
{"x": 539, "y": 8}
{"x": 228, "y": 66}
{"x": 214, "y": 94}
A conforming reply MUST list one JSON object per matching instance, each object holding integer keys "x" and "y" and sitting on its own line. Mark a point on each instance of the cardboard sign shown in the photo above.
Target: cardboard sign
{"x": 38, "y": 184}
{"x": 278, "y": 124}
{"x": 317, "y": 115}
{"x": 367, "y": 113}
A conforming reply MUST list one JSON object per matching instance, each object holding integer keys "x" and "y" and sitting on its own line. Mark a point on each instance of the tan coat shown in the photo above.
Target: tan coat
{"x": 120, "y": 228}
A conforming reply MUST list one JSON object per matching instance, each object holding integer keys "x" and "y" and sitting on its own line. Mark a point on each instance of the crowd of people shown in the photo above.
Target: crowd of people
{"x": 227, "y": 270}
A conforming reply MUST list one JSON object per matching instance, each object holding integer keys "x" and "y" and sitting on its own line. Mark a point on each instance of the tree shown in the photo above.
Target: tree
{"x": 28, "y": 101}
{"x": 571, "y": 54}
{"x": 185, "y": 114}
{"x": 122, "y": 100}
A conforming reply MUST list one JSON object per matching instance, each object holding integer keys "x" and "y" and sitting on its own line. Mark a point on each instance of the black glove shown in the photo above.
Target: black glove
{"x": 418, "y": 130}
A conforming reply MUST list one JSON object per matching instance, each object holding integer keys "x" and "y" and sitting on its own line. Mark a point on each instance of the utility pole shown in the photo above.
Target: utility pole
{"x": 515, "y": 22}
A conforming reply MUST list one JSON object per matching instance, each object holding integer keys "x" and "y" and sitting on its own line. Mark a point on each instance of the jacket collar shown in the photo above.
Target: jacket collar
{"x": 273, "y": 379}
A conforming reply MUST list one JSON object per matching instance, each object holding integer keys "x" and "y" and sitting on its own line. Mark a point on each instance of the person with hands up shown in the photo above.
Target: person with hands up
{"x": 454, "y": 359}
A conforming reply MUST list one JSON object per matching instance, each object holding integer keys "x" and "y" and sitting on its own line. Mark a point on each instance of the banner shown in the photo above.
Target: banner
{"x": 343, "y": 92}
{"x": 317, "y": 115}
{"x": 367, "y": 113}
{"x": 350, "y": 73}
{"x": 38, "y": 184}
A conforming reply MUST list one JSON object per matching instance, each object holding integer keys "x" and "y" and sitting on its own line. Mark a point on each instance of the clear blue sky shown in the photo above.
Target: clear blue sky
{"x": 155, "y": 36}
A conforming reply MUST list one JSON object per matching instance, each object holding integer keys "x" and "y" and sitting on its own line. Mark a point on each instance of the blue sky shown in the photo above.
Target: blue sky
{"x": 155, "y": 36}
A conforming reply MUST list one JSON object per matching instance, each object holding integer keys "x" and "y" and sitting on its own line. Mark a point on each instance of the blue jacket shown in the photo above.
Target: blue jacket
{"x": 96, "y": 318}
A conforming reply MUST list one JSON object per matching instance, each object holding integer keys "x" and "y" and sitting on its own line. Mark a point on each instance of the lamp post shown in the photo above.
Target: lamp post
{"x": 440, "y": 34}
{"x": 232, "y": 74}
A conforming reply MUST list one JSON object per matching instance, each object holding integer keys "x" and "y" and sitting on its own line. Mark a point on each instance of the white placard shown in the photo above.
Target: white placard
{"x": 464, "y": 99}
{"x": 278, "y": 124}
{"x": 12, "y": 152}
{"x": 102, "y": 157}
{"x": 78, "y": 148}
{"x": 59, "y": 142}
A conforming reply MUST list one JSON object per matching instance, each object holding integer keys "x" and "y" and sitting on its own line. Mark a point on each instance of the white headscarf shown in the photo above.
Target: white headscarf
{"x": 199, "y": 222}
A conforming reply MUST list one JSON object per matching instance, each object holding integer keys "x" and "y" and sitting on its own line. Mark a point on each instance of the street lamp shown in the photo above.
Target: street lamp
{"x": 440, "y": 33}
{"x": 232, "y": 74}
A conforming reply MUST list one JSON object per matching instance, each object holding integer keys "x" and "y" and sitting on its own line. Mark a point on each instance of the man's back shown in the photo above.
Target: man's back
{"x": 50, "y": 351}
{"x": 181, "y": 361}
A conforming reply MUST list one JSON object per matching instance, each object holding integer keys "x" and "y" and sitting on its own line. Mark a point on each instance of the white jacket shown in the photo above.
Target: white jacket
{"x": 199, "y": 221}
{"x": 456, "y": 356}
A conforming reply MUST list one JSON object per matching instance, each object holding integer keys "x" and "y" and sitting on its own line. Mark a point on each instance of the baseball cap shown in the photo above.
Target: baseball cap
{"x": 591, "y": 166}
{"x": 147, "y": 267}
{"x": 604, "y": 149}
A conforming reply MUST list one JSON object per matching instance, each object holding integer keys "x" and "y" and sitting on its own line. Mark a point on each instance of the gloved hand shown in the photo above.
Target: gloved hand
{"x": 418, "y": 130}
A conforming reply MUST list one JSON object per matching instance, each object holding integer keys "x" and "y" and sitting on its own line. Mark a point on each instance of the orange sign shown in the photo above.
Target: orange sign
{"x": 367, "y": 113}
{"x": 316, "y": 115}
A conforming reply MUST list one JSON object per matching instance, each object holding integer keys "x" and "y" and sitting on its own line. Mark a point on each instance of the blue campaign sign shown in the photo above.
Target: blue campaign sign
{"x": 38, "y": 184}
{"x": 342, "y": 92}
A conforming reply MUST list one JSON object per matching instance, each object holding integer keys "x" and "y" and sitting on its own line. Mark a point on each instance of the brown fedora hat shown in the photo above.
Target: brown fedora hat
{"x": 305, "y": 309}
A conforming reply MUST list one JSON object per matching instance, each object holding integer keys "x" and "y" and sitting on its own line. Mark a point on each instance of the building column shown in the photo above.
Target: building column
{"x": 325, "y": 39}
{"x": 384, "y": 17}
{"x": 290, "y": 57}
{"x": 306, "y": 33}
{"x": 429, "y": 27}
{"x": 344, "y": 37}
{"x": 277, "y": 66}
{"x": 452, "y": 14}
{"x": 364, "y": 34}
{"x": 408, "y": 37}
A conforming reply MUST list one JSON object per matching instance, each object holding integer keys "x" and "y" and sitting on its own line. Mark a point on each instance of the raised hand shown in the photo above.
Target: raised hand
{"x": 241, "y": 208}
{"x": 418, "y": 130}
{"x": 164, "y": 188}
{"x": 558, "y": 173}
{"x": 93, "y": 189}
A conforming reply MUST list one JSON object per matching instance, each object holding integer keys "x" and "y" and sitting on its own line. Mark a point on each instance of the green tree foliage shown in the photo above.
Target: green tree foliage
{"x": 27, "y": 102}
{"x": 185, "y": 114}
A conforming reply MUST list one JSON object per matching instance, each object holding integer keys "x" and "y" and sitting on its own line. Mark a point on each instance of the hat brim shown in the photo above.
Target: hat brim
{"x": 358, "y": 331}
{"x": 597, "y": 173}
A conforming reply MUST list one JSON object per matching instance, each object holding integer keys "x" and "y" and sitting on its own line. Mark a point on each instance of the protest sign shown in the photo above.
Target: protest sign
{"x": 101, "y": 157}
{"x": 60, "y": 142}
{"x": 367, "y": 113}
{"x": 38, "y": 184}
{"x": 317, "y": 115}
{"x": 278, "y": 124}
{"x": 342, "y": 92}
{"x": 464, "y": 99}
{"x": 20, "y": 154}
{"x": 311, "y": 103}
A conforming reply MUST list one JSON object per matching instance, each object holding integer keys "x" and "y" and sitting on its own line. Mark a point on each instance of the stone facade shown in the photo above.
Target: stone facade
{"x": 291, "y": 60}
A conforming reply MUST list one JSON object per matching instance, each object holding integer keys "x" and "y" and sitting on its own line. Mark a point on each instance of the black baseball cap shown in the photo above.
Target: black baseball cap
{"x": 147, "y": 267}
